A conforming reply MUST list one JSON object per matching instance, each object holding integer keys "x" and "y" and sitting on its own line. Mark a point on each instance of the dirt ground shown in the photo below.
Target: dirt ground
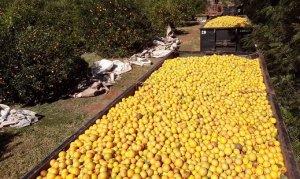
{"x": 190, "y": 37}
{"x": 22, "y": 149}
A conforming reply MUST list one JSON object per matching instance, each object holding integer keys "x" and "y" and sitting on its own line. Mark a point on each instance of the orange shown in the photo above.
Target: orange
{"x": 178, "y": 163}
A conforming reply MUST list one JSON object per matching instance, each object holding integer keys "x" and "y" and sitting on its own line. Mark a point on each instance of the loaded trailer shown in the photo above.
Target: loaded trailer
{"x": 223, "y": 39}
{"x": 289, "y": 159}
{"x": 229, "y": 39}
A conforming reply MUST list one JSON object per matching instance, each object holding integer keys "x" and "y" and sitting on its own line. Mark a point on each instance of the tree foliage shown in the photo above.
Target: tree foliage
{"x": 113, "y": 28}
{"x": 41, "y": 41}
{"x": 277, "y": 34}
{"x": 38, "y": 61}
{"x": 170, "y": 12}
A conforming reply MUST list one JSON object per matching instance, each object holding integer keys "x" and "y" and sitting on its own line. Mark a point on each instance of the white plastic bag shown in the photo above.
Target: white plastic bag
{"x": 121, "y": 67}
{"x": 4, "y": 111}
{"x": 102, "y": 66}
{"x": 141, "y": 61}
{"x": 160, "y": 53}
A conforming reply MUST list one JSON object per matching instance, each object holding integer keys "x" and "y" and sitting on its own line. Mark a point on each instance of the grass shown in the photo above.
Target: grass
{"x": 191, "y": 37}
{"x": 30, "y": 145}
{"x": 22, "y": 149}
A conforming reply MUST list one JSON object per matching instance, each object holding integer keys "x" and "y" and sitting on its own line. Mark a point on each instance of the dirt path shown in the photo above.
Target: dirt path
{"x": 190, "y": 38}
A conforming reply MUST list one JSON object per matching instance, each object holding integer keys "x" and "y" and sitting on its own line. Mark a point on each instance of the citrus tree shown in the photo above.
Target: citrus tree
{"x": 169, "y": 12}
{"x": 41, "y": 43}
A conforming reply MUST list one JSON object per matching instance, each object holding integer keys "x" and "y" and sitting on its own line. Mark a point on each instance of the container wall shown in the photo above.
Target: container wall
{"x": 207, "y": 40}
{"x": 223, "y": 39}
{"x": 293, "y": 171}
{"x": 288, "y": 154}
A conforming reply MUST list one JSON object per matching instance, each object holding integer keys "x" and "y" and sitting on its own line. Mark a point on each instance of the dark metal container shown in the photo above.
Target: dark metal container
{"x": 283, "y": 137}
{"x": 289, "y": 159}
{"x": 227, "y": 39}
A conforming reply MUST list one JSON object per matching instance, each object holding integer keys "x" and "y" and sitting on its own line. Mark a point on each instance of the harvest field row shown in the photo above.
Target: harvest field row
{"x": 195, "y": 117}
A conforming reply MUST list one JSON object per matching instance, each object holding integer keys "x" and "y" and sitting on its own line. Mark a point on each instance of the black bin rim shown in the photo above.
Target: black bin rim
{"x": 226, "y": 28}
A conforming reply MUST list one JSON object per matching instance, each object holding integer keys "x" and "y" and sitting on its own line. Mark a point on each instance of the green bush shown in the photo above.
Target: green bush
{"x": 114, "y": 28}
{"x": 38, "y": 59}
{"x": 277, "y": 34}
{"x": 8, "y": 67}
{"x": 50, "y": 67}
{"x": 200, "y": 6}
{"x": 169, "y": 12}
{"x": 41, "y": 41}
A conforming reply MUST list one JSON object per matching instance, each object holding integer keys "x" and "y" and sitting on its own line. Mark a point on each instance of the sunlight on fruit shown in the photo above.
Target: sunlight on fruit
{"x": 196, "y": 117}
{"x": 228, "y": 21}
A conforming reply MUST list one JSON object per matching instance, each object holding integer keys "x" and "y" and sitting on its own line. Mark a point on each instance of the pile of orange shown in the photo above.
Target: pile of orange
{"x": 196, "y": 117}
{"x": 228, "y": 21}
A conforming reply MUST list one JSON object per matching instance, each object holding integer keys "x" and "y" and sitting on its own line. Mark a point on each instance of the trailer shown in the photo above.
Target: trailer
{"x": 223, "y": 39}
{"x": 289, "y": 159}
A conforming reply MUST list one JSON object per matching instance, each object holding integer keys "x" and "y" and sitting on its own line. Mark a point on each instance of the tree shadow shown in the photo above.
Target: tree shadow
{"x": 5, "y": 139}
{"x": 180, "y": 32}
{"x": 189, "y": 23}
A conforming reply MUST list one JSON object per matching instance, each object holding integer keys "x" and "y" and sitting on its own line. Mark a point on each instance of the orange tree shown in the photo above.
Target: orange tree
{"x": 41, "y": 43}
{"x": 113, "y": 28}
{"x": 169, "y": 12}
{"x": 38, "y": 60}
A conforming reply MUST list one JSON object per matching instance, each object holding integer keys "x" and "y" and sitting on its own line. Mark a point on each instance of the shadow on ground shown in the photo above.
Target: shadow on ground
{"x": 189, "y": 23}
{"x": 5, "y": 139}
{"x": 190, "y": 37}
{"x": 181, "y": 32}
